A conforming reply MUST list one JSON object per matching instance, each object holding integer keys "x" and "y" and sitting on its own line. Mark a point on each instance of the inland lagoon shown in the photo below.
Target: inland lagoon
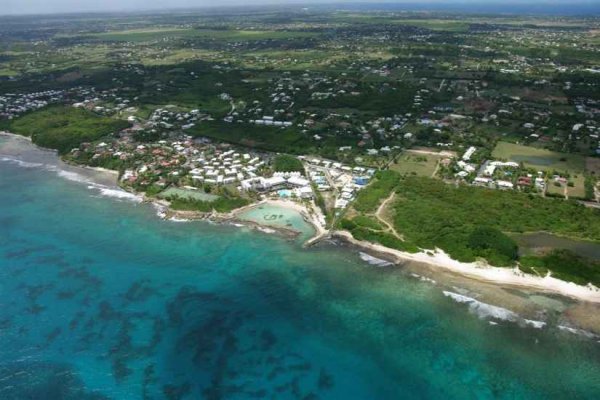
{"x": 541, "y": 242}
{"x": 101, "y": 299}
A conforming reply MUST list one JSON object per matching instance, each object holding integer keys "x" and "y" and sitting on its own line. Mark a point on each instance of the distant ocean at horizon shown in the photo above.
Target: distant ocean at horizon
{"x": 101, "y": 299}
{"x": 584, "y": 8}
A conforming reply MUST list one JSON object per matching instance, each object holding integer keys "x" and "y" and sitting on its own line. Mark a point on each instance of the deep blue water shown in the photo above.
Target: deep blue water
{"x": 101, "y": 299}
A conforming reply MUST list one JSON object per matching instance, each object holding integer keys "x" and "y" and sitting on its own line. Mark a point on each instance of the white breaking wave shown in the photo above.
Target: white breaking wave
{"x": 484, "y": 310}
{"x": 576, "y": 331}
{"x": 535, "y": 324}
{"x": 175, "y": 219}
{"x": 378, "y": 262}
{"x": 72, "y": 176}
{"x": 490, "y": 312}
{"x": 161, "y": 211}
{"x": 423, "y": 278}
{"x": 118, "y": 194}
{"x": 21, "y": 163}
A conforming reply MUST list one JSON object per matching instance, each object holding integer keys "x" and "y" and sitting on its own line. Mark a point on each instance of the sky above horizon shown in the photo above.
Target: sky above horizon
{"x": 15, "y": 7}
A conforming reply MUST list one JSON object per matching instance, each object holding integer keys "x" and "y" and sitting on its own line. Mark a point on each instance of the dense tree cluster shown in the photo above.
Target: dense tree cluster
{"x": 565, "y": 265}
{"x": 471, "y": 223}
{"x": 64, "y": 128}
{"x": 287, "y": 163}
{"x": 222, "y": 204}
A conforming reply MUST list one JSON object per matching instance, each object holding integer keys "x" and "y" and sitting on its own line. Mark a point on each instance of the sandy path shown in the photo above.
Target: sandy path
{"x": 443, "y": 153}
{"x": 381, "y": 209}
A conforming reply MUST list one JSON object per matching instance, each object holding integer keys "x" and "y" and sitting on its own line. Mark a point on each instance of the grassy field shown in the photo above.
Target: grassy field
{"x": 429, "y": 23}
{"x": 578, "y": 190}
{"x": 416, "y": 164}
{"x": 592, "y": 165}
{"x": 174, "y": 57}
{"x": 555, "y": 190}
{"x": 541, "y": 159}
{"x": 435, "y": 24}
{"x": 148, "y": 35}
{"x": 8, "y": 72}
{"x": 188, "y": 194}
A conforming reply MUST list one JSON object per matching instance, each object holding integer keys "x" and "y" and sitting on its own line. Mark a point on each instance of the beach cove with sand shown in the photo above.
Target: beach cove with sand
{"x": 103, "y": 299}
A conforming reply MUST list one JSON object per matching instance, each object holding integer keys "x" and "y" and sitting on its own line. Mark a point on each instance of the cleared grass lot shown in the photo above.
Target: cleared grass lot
{"x": 416, "y": 164}
{"x": 541, "y": 159}
{"x": 592, "y": 165}
{"x": 555, "y": 190}
{"x": 578, "y": 190}
{"x": 188, "y": 194}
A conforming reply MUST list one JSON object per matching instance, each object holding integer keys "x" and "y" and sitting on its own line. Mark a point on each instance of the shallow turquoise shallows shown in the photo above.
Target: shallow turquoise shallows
{"x": 99, "y": 298}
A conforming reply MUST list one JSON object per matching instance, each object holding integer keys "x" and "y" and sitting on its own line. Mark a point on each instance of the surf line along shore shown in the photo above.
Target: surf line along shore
{"x": 311, "y": 214}
{"x": 479, "y": 271}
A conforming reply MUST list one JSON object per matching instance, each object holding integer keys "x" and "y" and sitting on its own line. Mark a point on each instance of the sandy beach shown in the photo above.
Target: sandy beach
{"x": 14, "y": 135}
{"x": 481, "y": 271}
{"x": 233, "y": 216}
{"x": 311, "y": 214}
{"x": 478, "y": 271}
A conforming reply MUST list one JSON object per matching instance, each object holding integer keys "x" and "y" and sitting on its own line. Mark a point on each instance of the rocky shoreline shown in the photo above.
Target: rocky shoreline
{"x": 478, "y": 271}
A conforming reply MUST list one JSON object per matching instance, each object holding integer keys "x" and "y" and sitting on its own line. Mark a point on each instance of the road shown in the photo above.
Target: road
{"x": 443, "y": 153}
{"x": 441, "y": 85}
{"x": 590, "y": 204}
{"x": 381, "y": 209}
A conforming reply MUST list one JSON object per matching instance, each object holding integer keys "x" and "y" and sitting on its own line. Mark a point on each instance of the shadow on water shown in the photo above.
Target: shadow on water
{"x": 141, "y": 308}
{"x": 43, "y": 382}
{"x": 230, "y": 356}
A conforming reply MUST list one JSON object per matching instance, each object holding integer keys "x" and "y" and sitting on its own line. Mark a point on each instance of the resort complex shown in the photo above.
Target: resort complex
{"x": 356, "y": 200}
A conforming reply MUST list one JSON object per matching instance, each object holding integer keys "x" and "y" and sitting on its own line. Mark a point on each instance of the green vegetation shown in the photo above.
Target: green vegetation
{"x": 384, "y": 183}
{"x": 433, "y": 215}
{"x": 199, "y": 195}
{"x": 589, "y": 188}
{"x": 104, "y": 161}
{"x": 261, "y": 137}
{"x": 415, "y": 164}
{"x": 386, "y": 102}
{"x": 147, "y": 136}
{"x": 436, "y": 25}
{"x": 541, "y": 159}
{"x": 222, "y": 204}
{"x": 369, "y": 235}
{"x": 356, "y": 87}
{"x": 287, "y": 163}
{"x": 146, "y": 35}
{"x": 469, "y": 222}
{"x": 565, "y": 265}
{"x": 367, "y": 222}
{"x": 65, "y": 128}
{"x": 576, "y": 187}
{"x": 492, "y": 244}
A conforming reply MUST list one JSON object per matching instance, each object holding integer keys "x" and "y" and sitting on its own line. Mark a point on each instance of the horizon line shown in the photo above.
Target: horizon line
{"x": 414, "y": 6}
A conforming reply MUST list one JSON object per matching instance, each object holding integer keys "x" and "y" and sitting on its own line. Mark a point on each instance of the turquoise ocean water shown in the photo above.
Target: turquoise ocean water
{"x": 100, "y": 299}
